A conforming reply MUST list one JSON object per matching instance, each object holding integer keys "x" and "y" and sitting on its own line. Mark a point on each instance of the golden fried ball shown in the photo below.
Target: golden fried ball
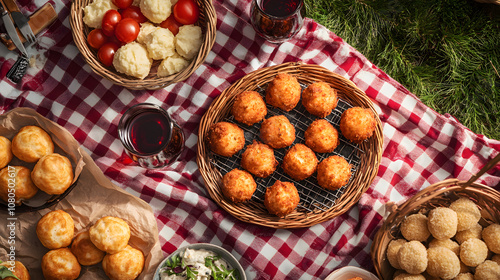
{"x": 5, "y": 151}
{"x": 277, "y": 132}
{"x": 321, "y": 136}
{"x": 258, "y": 159}
{"x": 357, "y": 124}
{"x": 412, "y": 257}
{"x": 491, "y": 236}
{"x": 31, "y": 143}
{"x": 283, "y": 92}
{"x": 392, "y": 252}
{"x": 55, "y": 229}
{"x": 442, "y": 262}
{"x": 464, "y": 276}
{"x": 85, "y": 251}
{"x": 468, "y": 213}
{"x": 488, "y": 270}
{"x": 414, "y": 227}
{"x": 446, "y": 243}
{"x": 472, "y": 232}
{"x": 407, "y": 276}
{"x": 238, "y": 185}
{"x": 473, "y": 251}
{"x": 281, "y": 198}
{"x": 249, "y": 108}
{"x": 225, "y": 139}
{"x": 60, "y": 264}
{"x": 18, "y": 269}
{"x": 16, "y": 180}
{"x": 124, "y": 265}
{"x": 442, "y": 222}
{"x": 53, "y": 174}
{"x": 333, "y": 172}
{"x": 110, "y": 234}
{"x": 319, "y": 99}
{"x": 300, "y": 162}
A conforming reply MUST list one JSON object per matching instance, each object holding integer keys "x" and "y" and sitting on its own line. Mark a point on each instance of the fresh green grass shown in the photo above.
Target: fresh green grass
{"x": 446, "y": 52}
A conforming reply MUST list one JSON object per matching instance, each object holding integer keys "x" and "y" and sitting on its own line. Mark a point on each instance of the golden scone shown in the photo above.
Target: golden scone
{"x": 414, "y": 227}
{"x": 31, "y": 143}
{"x": 333, "y": 172}
{"x": 321, "y": 136}
{"x": 468, "y": 213}
{"x": 225, "y": 139}
{"x": 238, "y": 185}
{"x": 55, "y": 229}
{"x": 85, "y": 251}
{"x": 249, "y": 108}
{"x": 124, "y": 265}
{"x": 53, "y": 174}
{"x": 18, "y": 269}
{"x": 319, "y": 99}
{"x": 110, "y": 234}
{"x": 357, "y": 124}
{"x": 442, "y": 222}
{"x": 442, "y": 262}
{"x": 60, "y": 264}
{"x": 258, "y": 159}
{"x": 281, "y": 198}
{"x": 412, "y": 257}
{"x": 16, "y": 180}
{"x": 473, "y": 252}
{"x": 5, "y": 151}
{"x": 300, "y": 162}
{"x": 491, "y": 236}
{"x": 277, "y": 132}
{"x": 283, "y": 92}
{"x": 392, "y": 252}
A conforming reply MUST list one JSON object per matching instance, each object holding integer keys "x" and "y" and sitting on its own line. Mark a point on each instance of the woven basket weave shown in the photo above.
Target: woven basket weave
{"x": 253, "y": 211}
{"x": 497, "y": 2}
{"x": 80, "y": 30}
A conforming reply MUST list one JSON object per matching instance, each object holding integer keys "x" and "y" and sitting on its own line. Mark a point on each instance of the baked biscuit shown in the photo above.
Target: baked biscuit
{"x": 15, "y": 182}
{"x": 85, "y": 251}
{"x": 126, "y": 264}
{"x": 5, "y": 151}
{"x": 110, "y": 234}
{"x": 55, "y": 229}
{"x": 53, "y": 174}
{"x": 60, "y": 264}
{"x": 31, "y": 143}
{"x": 18, "y": 269}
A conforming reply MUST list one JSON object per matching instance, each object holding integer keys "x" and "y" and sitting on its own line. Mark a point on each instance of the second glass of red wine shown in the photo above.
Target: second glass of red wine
{"x": 150, "y": 137}
{"x": 276, "y": 20}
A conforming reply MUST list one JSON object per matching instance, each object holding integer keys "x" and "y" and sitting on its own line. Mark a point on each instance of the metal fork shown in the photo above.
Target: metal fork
{"x": 22, "y": 23}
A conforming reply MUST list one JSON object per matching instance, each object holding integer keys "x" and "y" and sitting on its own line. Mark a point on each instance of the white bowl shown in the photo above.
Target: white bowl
{"x": 349, "y": 272}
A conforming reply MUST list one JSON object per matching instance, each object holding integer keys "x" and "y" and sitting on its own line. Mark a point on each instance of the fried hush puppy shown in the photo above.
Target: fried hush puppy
{"x": 225, "y": 139}
{"x": 442, "y": 222}
{"x": 491, "y": 236}
{"x": 414, "y": 227}
{"x": 24, "y": 188}
{"x": 18, "y": 269}
{"x": 333, "y": 172}
{"x": 357, "y": 124}
{"x": 488, "y": 270}
{"x": 283, "y": 92}
{"x": 31, "y": 143}
{"x": 319, "y": 99}
{"x": 473, "y": 252}
{"x": 55, "y": 229}
{"x": 60, "y": 264}
{"x": 412, "y": 257}
{"x": 468, "y": 213}
{"x": 258, "y": 159}
{"x": 277, "y": 132}
{"x": 281, "y": 198}
{"x": 249, "y": 108}
{"x": 238, "y": 185}
{"x": 321, "y": 136}
{"x": 5, "y": 151}
{"x": 300, "y": 162}
{"x": 442, "y": 262}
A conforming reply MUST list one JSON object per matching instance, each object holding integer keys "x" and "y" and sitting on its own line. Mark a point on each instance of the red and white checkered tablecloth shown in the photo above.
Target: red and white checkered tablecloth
{"x": 421, "y": 147}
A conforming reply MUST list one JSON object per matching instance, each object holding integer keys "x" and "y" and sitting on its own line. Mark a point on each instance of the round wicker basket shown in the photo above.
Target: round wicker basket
{"x": 80, "y": 30}
{"x": 314, "y": 207}
{"x": 497, "y": 2}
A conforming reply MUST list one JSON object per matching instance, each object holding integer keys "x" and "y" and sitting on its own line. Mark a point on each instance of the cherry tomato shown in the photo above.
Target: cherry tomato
{"x": 127, "y": 30}
{"x": 171, "y": 24}
{"x": 96, "y": 38}
{"x": 122, "y": 4}
{"x": 109, "y": 22}
{"x": 186, "y": 11}
{"x": 107, "y": 52}
{"x": 135, "y": 13}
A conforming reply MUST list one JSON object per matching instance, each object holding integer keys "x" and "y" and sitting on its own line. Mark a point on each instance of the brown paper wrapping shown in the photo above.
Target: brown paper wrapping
{"x": 93, "y": 197}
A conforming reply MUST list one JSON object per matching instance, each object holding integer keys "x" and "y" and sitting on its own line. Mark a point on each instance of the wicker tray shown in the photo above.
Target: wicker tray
{"x": 316, "y": 204}
{"x": 80, "y": 30}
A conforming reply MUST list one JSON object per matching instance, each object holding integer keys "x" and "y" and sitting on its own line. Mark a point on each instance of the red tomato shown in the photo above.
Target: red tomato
{"x": 122, "y": 4}
{"x": 135, "y": 13}
{"x": 96, "y": 38}
{"x": 186, "y": 11}
{"x": 127, "y": 30}
{"x": 107, "y": 52}
{"x": 171, "y": 24}
{"x": 109, "y": 22}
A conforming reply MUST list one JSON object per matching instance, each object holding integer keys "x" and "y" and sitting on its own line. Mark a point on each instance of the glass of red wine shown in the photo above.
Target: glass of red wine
{"x": 150, "y": 137}
{"x": 277, "y": 20}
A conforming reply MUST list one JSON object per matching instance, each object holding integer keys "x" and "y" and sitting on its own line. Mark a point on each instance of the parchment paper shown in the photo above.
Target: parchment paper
{"x": 93, "y": 197}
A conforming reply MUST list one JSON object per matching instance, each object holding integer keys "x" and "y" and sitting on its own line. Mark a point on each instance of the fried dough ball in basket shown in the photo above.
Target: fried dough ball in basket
{"x": 414, "y": 227}
{"x": 319, "y": 99}
{"x": 238, "y": 185}
{"x": 473, "y": 252}
{"x": 491, "y": 236}
{"x": 333, "y": 172}
{"x": 31, "y": 143}
{"x": 53, "y": 174}
{"x": 110, "y": 234}
{"x": 357, "y": 124}
{"x": 442, "y": 262}
{"x": 392, "y": 252}
{"x": 85, "y": 251}
{"x": 464, "y": 276}
{"x": 468, "y": 213}
{"x": 473, "y": 232}
{"x": 18, "y": 269}
{"x": 446, "y": 243}
{"x": 249, "y": 108}
{"x": 258, "y": 159}
{"x": 22, "y": 183}
{"x": 281, "y": 198}
{"x": 126, "y": 264}
{"x": 442, "y": 222}
{"x": 60, "y": 264}
{"x": 300, "y": 162}
{"x": 321, "y": 136}
{"x": 5, "y": 151}
{"x": 225, "y": 138}
{"x": 283, "y": 92}
{"x": 55, "y": 229}
{"x": 488, "y": 270}
{"x": 277, "y": 132}
{"x": 412, "y": 257}
{"x": 407, "y": 276}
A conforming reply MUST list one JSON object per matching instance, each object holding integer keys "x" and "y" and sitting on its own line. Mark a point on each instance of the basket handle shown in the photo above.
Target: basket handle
{"x": 483, "y": 170}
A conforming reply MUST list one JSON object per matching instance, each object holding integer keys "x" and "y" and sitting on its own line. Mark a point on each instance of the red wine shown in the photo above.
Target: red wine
{"x": 149, "y": 132}
{"x": 279, "y": 8}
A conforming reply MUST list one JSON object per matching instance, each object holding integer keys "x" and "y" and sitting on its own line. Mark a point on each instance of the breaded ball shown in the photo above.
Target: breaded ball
{"x": 225, "y": 139}
{"x": 319, "y": 99}
{"x": 31, "y": 143}
{"x": 249, "y": 108}
{"x": 17, "y": 178}
{"x": 238, "y": 185}
{"x": 464, "y": 276}
{"x": 407, "y": 276}
{"x": 300, "y": 162}
{"x": 491, "y": 236}
{"x": 321, "y": 136}
{"x": 333, "y": 172}
{"x": 283, "y": 92}
{"x": 60, "y": 264}
{"x": 277, "y": 132}
{"x": 85, "y": 251}
{"x": 357, "y": 124}
{"x": 446, "y": 243}
{"x": 281, "y": 198}
{"x": 488, "y": 270}
{"x": 468, "y": 213}
{"x": 412, "y": 257}
{"x": 18, "y": 269}
{"x": 110, "y": 234}
{"x": 53, "y": 174}
{"x": 5, "y": 151}
{"x": 258, "y": 159}
{"x": 156, "y": 10}
{"x": 442, "y": 262}
{"x": 442, "y": 222}
{"x": 392, "y": 252}
{"x": 472, "y": 232}
{"x": 414, "y": 227}
{"x": 55, "y": 229}
{"x": 126, "y": 264}
{"x": 473, "y": 251}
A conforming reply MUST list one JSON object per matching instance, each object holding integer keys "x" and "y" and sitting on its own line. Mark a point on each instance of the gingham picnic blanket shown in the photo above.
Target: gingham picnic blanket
{"x": 421, "y": 147}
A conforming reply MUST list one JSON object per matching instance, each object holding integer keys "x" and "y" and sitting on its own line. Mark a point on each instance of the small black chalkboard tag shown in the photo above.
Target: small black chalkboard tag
{"x": 18, "y": 70}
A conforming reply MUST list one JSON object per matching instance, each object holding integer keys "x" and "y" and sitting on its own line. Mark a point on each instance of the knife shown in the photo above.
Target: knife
{"x": 11, "y": 30}
{"x": 20, "y": 20}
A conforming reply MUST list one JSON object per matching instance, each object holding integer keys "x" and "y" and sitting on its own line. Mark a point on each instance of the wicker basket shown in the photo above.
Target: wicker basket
{"x": 497, "y": 2}
{"x": 440, "y": 194}
{"x": 80, "y": 30}
{"x": 317, "y": 205}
